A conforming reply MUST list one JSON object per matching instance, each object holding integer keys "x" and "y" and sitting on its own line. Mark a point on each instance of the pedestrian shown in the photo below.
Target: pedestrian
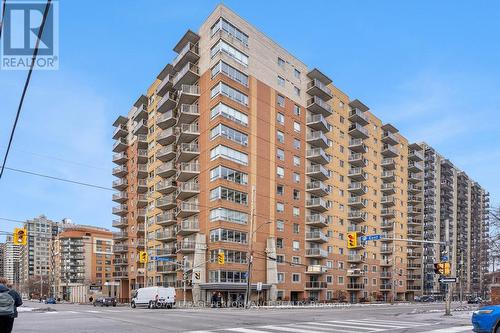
{"x": 213, "y": 299}
{"x": 9, "y": 301}
{"x": 219, "y": 300}
{"x": 91, "y": 299}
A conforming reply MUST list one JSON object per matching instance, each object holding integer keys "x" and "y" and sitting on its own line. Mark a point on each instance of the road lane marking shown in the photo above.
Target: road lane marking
{"x": 451, "y": 329}
{"x": 367, "y": 323}
{"x": 312, "y": 327}
{"x": 245, "y": 330}
{"x": 406, "y": 323}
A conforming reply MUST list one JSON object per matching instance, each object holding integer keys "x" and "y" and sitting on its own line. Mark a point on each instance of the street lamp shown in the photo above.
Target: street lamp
{"x": 250, "y": 259}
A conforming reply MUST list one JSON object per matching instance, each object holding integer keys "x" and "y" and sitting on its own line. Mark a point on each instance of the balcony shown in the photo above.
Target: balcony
{"x": 414, "y": 210}
{"x": 120, "y": 145}
{"x": 318, "y": 171}
{"x": 166, "y": 267}
{"x": 385, "y": 275}
{"x": 357, "y": 160}
{"x": 358, "y": 116}
{"x": 120, "y": 275}
{"x": 120, "y": 131}
{"x": 385, "y": 287}
{"x": 317, "y": 204}
{"x": 141, "y": 215}
{"x": 414, "y": 178}
{"x": 166, "y": 202}
{"x": 187, "y": 190}
{"x": 357, "y": 202}
{"x": 166, "y": 170}
{"x": 166, "y": 252}
{"x": 414, "y": 233}
{"x": 412, "y": 221}
{"x": 415, "y": 167}
{"x": 357, "y": 131}
{"x": 187, "y": 208}
{"x": 412, "y": 266}
{"x": 189, "y": 74}
{"x": 186, "y": 246}
{"x": 165, "y": 85}
{"x": 188, "y": 113}
{"x": 387, "y": 225}
{"x": 318, "y": 106}
{"x": 166, "y": 235}
{"x": 388, "y": 188}
{"x": 389, "y": 151}
{"x": 387, "y": 213}
{"x": 316, "y": 236}
{"x": 187, "y": 95}
{"x": 415, "y": 155}
{"x": 166, "y": 186}
{"x": 388, "y": 176}
{"x": 386, "y": 250}
{"x": 357, "y": 145}
{"x": 318, "y": 122}
{"x": 317, "y": 88}
{"x": 412, "y": 255}
{"x": 187, "y": 151}
{"x": 188, "y": 170}
{"x": 388, "y": 201}
{"x": 166, "y": 120}
{"x": 385, "y": 262}
{"x": 120, "y": 261}
{"x": 414, "y": 288}
{"x": 314, "y": 285}
{"x": 120, "y": 210}
{"x": 357, "y": 174}
{"x": 318, "y": 155}
{"x": 142, "y": 155}
{"x": 142, "y": 185}
{"x": 316, "y": 220}
{"x": 315, "y": 270}
{"x": 317, "y": 188}
{"x": 189, "y": 53}
{"x": 355, "y": 272}
{"x": 142, "y": 171}
{"x": 316, "y": 253}
{"x": 167, "y": 102}
{"x": 166, "y": 218}
{"x": 357, "y": 188}
{"x": 120, "y": 248}
{"x": 188, "y": 133}
{"x": 356, "y": 216}
{"x": 356, "y": 228}
{"x": 388, "y": 163}
{"x": 317, "y": 139}
{"x": 413, "y": 199}
{"x": 188, "y": 226}
{"x": 120, "y": 236}
{"x": 166, "y": 153}
{"x": 166, "y": 137}
{"x": 141, "y": 127}
{"x": 355, "y": 258}
{"x": 120, "y": 158}
{"x": 120, "y": 223}
{"x": 355, "y": 286}
{"x": 390, "y": 138}
{"x": 414, "y": 189}
{"x": 120, "y": 197}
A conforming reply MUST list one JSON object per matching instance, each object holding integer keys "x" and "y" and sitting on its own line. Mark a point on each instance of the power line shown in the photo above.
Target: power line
{"x": 60, "y": 179}
{"x": 3, "y": 17}
{"x": 26, "y": 84}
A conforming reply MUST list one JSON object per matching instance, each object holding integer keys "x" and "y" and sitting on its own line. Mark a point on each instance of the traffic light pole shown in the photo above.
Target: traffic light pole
{"x": 447, "y": 311}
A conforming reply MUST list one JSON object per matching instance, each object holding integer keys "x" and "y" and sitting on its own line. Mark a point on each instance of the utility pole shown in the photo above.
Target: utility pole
{"x": 447, "y": 285}
{"x": 250, "y": 249}
{"x": 184, "y": 278}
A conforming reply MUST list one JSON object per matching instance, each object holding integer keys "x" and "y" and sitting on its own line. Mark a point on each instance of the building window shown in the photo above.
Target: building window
{"x": 281, "y": 62}
{"x": 281, "y": 81}
{"x": 279, "y": 243}
{"x": 231, "y": 51}
{"x": 295, "y": 277}
{"x": 296, "y": 260}
{"x": 228, "y": 194}
{"x": 280, "y": 172}
{"x": 295, "y": 245}
{"x": 280, "y": 136}
{"x": 228, "y": 235}
{"x": 222, "y": 172}
{"x": 280, "y": 100}
{"x": 296, "y": 161}
{"x": 341, "y": 280}
{"x": 229, "y": 133}
{"x": 280, "y": 118}
{"x": 296, "y": 194}
{"x": 329, "y": 279}
{"x": 280, "y": 207}
{"x": 280, "y": 258}
{"x": 296, "y": 143}
{"x": 228, "y": 112}
{"x": 230, "y": 215}
{"x": 280, "y": 225}
{"x": 296, "y": 73}
{"x": 280, "y": 189}
{"x": 280, "y": 154}
{"x": 228, "y": 153}
{"x": 296, "y": 90}
{"x": 296, "y": 110}
{"x": 281, "y": 277}
{"x": 231, "y": 93}
{"x": 296, "y": 211}
{"x": 230, "y": 72}
{"x": 296, "y": 228}
{"x": 230, "y": 29}
{"x": 296, "y": 177}
{"x": 296, "y": 126}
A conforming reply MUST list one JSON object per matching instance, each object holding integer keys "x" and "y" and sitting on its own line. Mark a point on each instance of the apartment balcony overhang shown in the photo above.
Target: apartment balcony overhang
{"x": 413, "y": 178}
{"x": 188, "y": 94}
{"x": 318, "y": 122}
{"x": 413, "y": 266}
{"x": 386, "y": 250}
{"x": 142, "y": 186}
{"x": 120, "y": 158}
{"x": 318, "y": 75}
{"x": 188, "y": 170}
{"x": 166, "y": 137}
{"x": 189, "y": 53}
{"x": 167, "y": 268}
{"x": 186, "y": 246}
{"x": 318, "y": 155}
{"x": 166, "y": 153}
{"x": 317, "y": 188}
{"x": 141, "y": 215}
{"x": 412, "y": 211}
{"x": 187, "y": 151}
{"x": 141, "y": 127}
{"x": 387, "y": 225}
{"x": 142, "y": 155}
{"x": 355, "y": 273}
{"x": 120, "y": 171}
{"x": 415, "y": 155}
{"x": 316, "y": 237}
{"x": 317, "y": 204}
{"x": 166, "y": 202}
{"x": 387, "y": 213}
{"x": 413, "y": 189}
{"x": 189, "y": 75}
{"x": 413, "y": 288}
{"x": 317, "y": 88}
{"x": 120, "y": 197}
{"x": 357, "y": 174}
{"x": 355, "y": 286}
{"x": 414, "y": 199}
{"x": 358, "y": 116}
{"x": 120, "y": 262}
{"x": 166, "y": 170}
{"x": 389, "y": 151}
{"x": 357, "y": 188}
{"x": 314, "y": 285}
{"x": 317, "y": 139}
{"x": 120, "y": 248}
{"x": 385, "y": 263}
{"x": 165, "y": 85}
{"x": 166, "y": 218}
{"x": 357, "y": 146}
{"x": 357, "y": 202}
{"x": 385, "y": 287}
{"x": 168, "y": 235}
{"x": 120, "y": 223}
{"x": 120, "y": 132}
{"x": 166, "y": 186}
{"x": 188, "y": 226}
{"x": 186, "y": 209}
{"x": 356, "y": 216}
{"x": 187, "y": 190}
{"x": 120, "y": 121}
{"x": 188, "y": 37}
{"x": 388, "y": 176}
{"x": 316, "y": 270}
{"x": 318, "y": 106}
{"x": 415, "y": 167}
{"x": 142, "y": 200}
{"x": 120, "y": 236}
{"x": 120, "y": 184}
{"x": 166, "y": 120}
{"x": 357, "y": 104}
{"x": 388, "y": 163}
{"x": 316, "y": 253}
{"x": 357, "y": 160}
{"x": 318, "y": 171}
{"x": 142, "y": 171}
{"x": 388, "y": 201}
{"x": 317, "y": 220}
{"x": 167, "y": 102}
{"x": 166, "y": 252}
{"x": 188, "y": 133}
{"x": 120, "y": 275}
{"x": 413, "y": 255}
{"x": 120, "y": 145}
{"x": 188, "y": 113}
{"x": 413, "y": 277}
{"x": 388, "y": 188}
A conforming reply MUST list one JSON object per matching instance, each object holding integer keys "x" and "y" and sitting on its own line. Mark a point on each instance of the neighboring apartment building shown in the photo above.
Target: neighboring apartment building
{"x": 235, "y": 142}
{"x": 11, "y": 261}
{"x": 83, "y": 263}
{"x": 2, "y": 258}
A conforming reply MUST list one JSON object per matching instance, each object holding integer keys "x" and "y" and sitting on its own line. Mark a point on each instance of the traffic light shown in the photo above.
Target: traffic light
{"x": 20, "y": 236}
{"x": 446, "y": 268}
{"x": 143, "y": 257}
{"x": 352, "y": 240}
{"x": 220, "y": 258}
{"x": 439, "y": 268}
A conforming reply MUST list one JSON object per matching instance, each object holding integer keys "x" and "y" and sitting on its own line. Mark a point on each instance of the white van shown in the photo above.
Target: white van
{"x": 153, "y": 297}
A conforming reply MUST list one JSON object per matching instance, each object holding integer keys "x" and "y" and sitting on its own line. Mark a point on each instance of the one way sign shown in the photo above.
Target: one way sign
{"x": 448, "y": 280}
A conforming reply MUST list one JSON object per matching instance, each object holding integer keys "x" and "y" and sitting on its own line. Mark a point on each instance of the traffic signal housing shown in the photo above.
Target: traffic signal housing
{"x": 352, "y": 240}
{"x": 220, "y": 258}
{"x": 20, "y": 236}
{"x": 446, "y": 268}
{"x": 143, "y": 257}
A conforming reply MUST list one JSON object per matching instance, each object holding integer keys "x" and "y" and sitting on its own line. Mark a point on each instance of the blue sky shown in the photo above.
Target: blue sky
{"x": 430, "y": 68}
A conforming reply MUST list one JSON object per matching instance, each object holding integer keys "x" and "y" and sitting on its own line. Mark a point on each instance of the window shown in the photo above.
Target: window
{"x": 280, "y": 225}
{"x": 296, "y": 194}
{"x": 228, "y": 194}
{"x": 280, "y": 100}
{"x": 280, "y": 154}
{"x": 296, "y": 245}
{"x": 229, "y": 133}
{"x": 229, "y": 215}
{"x": 228, "y": 153}
{"x": 230, "y": 29}
{"x": 341, "y": 280}
{"x": 280, "y": 207}
{"x": 230, "y": 256}
{"x": 296, "y": 143}
{"x": 281, "y": 277}
{"x": 226, "y": 276}
{"x": 296, "y": 228}
{"x": 329, "y": 279}
{"x": 296, "y": 73}
{"x": 296, "y": 126}
{"x": 296, "y": 177}
{"x": 279, "y": 243}
{"x": 296, "y": 211}
{"x": 296, "y": 90}
{"x": 296, "y": 161}
{"x": 230, "y": 72}
{"x": 280, "y": 136}
{"x": 281, "y": 62}
{"x": 296, "y": 260}
{"x": 228, "y": 112}
{"x": 228, "y": 235}
{"x": 222, "y": 46}
{"x": 280, "y": 118}
{"x": 296, "y": 277}
{"x": 222, "y": 172}
{"x": 280, "y": 172}
{"x": 280, "y": 258}
{"x": 281, "y": 81}
{"x": 235, "y": 95}
{"x": 296, "y": 110}
{"x": 280, "y": 189}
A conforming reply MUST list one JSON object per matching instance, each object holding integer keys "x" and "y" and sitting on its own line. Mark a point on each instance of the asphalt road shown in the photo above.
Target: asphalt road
{"x": 63, "y": 318}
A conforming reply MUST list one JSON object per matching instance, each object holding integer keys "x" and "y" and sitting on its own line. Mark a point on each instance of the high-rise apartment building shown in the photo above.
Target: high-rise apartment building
{"x": 238, "y": 146}
{"x": 2, "y": 258}
{"x": 83, "y": 263}
{"x": 11, "y": 261}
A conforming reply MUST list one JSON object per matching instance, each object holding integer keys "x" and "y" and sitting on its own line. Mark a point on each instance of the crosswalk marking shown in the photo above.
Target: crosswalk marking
{"x": 325, "y": 327}
{"x": 405, "y": 323}
{"x": 367, "y": 323}
{"x": 451, "y": 329}
{"x": 244, "y": 330}
{"x": 347, "y": 324}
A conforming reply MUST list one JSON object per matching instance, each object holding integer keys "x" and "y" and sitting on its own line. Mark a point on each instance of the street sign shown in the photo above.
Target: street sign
{"x": 444, "y": 258}
{"x": 448, "y": 280}
{"x": 370, "y": 238}
{"x": 161, "y": 258}
{"x": 259, "y": 286}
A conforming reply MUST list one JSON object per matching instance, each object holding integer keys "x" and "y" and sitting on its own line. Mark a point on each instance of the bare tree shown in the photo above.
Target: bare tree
{"x": 495, "y": 237}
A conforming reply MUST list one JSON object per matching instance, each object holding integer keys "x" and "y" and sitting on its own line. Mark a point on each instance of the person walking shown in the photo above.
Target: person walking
{"x": 9, "y": 301}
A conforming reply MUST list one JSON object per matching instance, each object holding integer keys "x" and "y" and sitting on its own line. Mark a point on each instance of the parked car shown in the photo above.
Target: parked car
{"x": 475, "y": 300}
{"x": 427, "y": 299}
{"x": 487, "y": 319}
{"x": 105, "y": 301}
{"x": 153, "y": 297}
{"x": 50, "y": 300}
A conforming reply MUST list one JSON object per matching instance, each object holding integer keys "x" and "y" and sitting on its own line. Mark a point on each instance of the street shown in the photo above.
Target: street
{"x": 398, "y": 318}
